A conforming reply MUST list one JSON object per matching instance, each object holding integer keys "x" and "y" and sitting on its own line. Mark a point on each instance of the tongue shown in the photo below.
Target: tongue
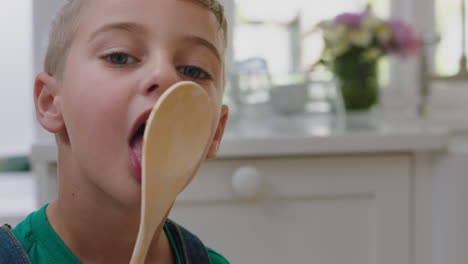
{"x": 137, "y": 148}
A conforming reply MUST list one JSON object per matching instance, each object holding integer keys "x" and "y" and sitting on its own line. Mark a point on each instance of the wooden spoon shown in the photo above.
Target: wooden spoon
{"x": 176, "y": 134}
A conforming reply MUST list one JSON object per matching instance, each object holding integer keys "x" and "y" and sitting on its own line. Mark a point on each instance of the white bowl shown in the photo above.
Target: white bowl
{"x": 289, "y": 99}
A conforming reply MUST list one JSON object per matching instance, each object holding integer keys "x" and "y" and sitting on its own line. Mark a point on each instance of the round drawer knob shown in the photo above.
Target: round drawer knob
{"x": 246, "y": 182}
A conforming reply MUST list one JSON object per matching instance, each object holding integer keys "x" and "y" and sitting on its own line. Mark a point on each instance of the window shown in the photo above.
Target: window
{"x": 264, "y": 29}
{"x": 449, "y": 26}
{"x": 273, "y": 29}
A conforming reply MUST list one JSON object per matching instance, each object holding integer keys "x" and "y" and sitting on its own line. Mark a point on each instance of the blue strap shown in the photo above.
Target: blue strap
{"x": 190, "y": 247}
{"x": 11, "y": 251}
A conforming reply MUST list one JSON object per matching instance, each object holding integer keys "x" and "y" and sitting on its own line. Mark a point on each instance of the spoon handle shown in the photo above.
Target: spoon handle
{"x": 150, "y": 221}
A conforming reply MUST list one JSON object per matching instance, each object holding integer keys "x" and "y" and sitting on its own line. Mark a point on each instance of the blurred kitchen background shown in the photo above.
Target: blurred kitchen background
{"x": 302, "y": 177}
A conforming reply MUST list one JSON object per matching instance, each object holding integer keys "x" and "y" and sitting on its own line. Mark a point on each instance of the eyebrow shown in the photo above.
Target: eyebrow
{"x": 137, "y": 28}
{"x": 201, "y": 41}
{"x": 125, "y": 26}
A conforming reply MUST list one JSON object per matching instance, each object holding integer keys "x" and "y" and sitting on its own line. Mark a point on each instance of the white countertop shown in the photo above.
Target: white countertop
{"x": 311, "y": 134}
{"x": 314, "y": 134}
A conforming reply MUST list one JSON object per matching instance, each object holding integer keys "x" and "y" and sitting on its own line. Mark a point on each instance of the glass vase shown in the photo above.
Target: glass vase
{"x": 358, "y": 81}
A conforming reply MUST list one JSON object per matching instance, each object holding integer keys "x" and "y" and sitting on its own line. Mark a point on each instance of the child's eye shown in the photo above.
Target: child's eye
{"x": 194, "y": 72}
{"x": 121, "y": 58}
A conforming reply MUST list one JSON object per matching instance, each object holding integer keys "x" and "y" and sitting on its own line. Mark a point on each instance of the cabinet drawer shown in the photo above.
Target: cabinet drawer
{"x": 306, "y": 209}
{"x": 298, "y": 177}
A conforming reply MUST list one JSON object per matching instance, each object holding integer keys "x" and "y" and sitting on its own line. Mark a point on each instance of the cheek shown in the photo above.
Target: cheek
{"x": 216, "y": 104}
{"x": 215, "y": 93}
{"x": 95, "y": 113}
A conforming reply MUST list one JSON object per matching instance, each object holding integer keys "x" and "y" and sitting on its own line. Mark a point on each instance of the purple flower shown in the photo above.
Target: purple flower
{"x": 350, "y": 19}
{"x": 392, "y": 37}
{"x": 404, "y": 41}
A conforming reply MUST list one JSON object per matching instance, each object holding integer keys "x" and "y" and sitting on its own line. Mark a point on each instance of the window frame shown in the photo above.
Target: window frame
{"x": 406, "y": 77}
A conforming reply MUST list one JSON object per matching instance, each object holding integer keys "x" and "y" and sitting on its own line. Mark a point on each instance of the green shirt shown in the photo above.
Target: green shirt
{"x": 44, "y": 246}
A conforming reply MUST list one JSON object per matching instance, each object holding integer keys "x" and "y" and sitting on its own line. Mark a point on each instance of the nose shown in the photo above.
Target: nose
{"x": 159, "y": 77}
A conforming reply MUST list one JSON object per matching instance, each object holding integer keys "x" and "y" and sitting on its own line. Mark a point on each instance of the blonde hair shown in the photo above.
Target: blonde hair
{"x": 66, "y": 24}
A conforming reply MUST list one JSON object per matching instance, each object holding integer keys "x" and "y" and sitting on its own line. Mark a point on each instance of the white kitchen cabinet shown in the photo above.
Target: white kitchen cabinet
{"x": 311, "y": 209}
{"x": 351, "y": 196}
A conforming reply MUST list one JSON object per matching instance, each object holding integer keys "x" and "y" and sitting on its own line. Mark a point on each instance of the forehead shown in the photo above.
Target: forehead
{"x": 158, "y": 18}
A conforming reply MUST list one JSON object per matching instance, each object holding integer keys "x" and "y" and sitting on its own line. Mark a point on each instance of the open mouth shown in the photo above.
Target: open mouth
{"x": 136, "y": 144}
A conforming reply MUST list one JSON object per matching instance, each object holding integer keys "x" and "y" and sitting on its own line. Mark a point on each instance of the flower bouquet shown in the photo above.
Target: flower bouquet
{"x": 354, "y": 43}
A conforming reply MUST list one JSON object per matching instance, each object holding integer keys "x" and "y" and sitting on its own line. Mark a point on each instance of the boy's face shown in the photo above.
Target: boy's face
{"x": 125, "y": 54}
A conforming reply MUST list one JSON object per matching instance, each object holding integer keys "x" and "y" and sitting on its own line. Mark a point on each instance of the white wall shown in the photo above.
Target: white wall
{"x": 16, "y": 107}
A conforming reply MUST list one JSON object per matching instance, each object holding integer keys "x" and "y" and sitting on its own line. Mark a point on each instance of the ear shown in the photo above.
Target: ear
{"x": 46, "y": 102}
{"x": 213, "y": 149}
